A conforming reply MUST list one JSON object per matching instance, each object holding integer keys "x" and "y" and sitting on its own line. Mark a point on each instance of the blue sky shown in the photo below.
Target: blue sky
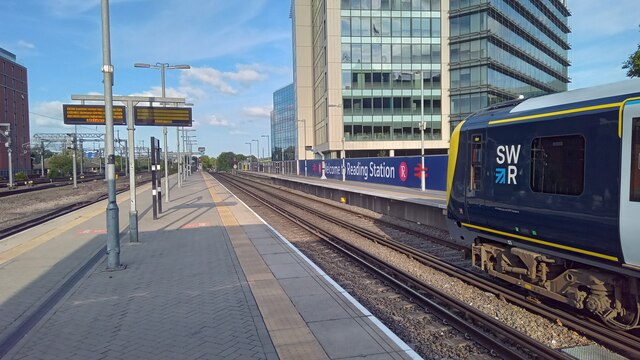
{"x": 240, "y": 52}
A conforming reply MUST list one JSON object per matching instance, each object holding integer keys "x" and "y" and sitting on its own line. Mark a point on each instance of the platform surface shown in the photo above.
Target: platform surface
{"x": 434, "y": 198}
{"x": 208, "y": 280}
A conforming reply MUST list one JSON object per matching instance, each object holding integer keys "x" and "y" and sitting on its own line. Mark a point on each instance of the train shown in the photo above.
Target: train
{"x": 546, "y": 192}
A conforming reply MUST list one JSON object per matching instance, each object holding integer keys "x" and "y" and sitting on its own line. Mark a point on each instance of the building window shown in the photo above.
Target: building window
{"x": 557, "y": 165}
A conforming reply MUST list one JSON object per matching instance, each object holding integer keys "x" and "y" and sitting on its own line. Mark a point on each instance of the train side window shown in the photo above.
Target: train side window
{"x": 634, "y": 193}
{"x": 557, "y": 165}
{"x": 475, "y": 180}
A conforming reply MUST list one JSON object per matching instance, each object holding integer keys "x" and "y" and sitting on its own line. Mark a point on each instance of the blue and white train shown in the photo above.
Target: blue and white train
{"x": 547, "y": 192}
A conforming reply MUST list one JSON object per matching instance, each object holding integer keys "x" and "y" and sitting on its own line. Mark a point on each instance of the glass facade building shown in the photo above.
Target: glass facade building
{"x": 283, "y": 124}
{"x": 390, "y": 51}
{"x": 501, "y": 49}
{"x": 368, "y": 72}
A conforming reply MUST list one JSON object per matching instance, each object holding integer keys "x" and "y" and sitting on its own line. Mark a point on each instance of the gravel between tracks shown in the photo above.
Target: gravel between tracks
{"x": 19, "y": 208}
{"x": 548, "y": 332}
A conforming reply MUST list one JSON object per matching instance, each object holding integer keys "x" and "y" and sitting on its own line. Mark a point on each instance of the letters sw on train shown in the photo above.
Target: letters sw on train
{"x": 546, "y": 192}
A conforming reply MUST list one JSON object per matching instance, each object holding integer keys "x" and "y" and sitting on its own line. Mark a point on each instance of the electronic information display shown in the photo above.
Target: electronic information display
{"x": 91, "y": 114}
{"x": 162, "y": 116}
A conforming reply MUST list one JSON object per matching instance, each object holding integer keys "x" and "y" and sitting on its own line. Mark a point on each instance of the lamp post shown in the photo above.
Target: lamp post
{"x": 113, "y": 223}
{"x": 305, "y": 145}
{"x": 269, "y": 151}
{"x": 250, "y": 151}
{"x": 422, "y": 174}
{"x": 344, "y": 168}
{"x": 162, "y": 67}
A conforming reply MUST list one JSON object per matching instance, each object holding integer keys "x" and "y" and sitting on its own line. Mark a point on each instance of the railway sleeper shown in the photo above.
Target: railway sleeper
{"x": 613, "y": 298}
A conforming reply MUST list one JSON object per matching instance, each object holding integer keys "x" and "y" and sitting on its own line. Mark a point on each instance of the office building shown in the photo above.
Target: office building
{"x": 367, "y": 73}
{"x": 14, "y": 110}
{"x": 501, "y": 49}
{"x": 283, "y": 125}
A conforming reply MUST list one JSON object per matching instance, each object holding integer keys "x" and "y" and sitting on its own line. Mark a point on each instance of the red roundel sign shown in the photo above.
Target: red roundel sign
{"x": 404, "y": 171}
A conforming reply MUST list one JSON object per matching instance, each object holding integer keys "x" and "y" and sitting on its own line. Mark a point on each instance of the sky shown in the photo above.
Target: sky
{"x": 239, "y": 53}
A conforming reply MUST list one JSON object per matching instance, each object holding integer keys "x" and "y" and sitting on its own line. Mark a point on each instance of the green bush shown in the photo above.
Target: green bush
{"x": 21, "y": 176}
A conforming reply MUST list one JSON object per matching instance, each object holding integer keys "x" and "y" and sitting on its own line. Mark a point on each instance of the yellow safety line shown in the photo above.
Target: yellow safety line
{"x": 620, "y": 114}
{"x": 555, "y": 113}
{"x": 29, "y": 245}
{"x": 564, "y": 247}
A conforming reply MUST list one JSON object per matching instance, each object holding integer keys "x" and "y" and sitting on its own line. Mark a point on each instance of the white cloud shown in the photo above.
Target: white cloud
{"x": 26, "y": 45}
{"x": 246, "y": 74}
{"x": 215, "y": 121}
{"x": 258, "y": 111}
{"x": 47, "y": 114}
{"x": 212, "y": 77}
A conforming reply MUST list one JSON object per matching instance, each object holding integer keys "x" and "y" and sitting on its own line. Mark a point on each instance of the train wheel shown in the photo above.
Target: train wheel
{"x": 627, "y": 322}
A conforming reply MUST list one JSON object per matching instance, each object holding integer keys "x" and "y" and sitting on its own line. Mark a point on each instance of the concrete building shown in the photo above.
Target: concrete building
{"x": 14, "y": 110}
{"x": 368, "y": 72}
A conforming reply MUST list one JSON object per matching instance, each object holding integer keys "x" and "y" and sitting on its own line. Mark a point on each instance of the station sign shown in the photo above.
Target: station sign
{"x": 162, "y": 116}
{"x": 91, "y": 114}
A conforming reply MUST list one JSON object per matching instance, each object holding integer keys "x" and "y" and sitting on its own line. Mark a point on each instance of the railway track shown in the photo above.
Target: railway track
{"x": 495, "y": 335}
{"x": 624, "y": 343}
{"x": 17, "y": 228}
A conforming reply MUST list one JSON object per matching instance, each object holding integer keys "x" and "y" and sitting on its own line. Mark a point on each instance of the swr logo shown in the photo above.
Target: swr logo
{"x": 510, "y": 155}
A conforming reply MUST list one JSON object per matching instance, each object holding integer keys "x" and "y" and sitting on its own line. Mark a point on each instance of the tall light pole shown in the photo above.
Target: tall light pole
{"x": 268, "y": 147}
{"x": 113, "y": 226}
{"x": 162, "y": 67}
{"x": 250, "y": 160}
{"x": 344, "y": 168}
{"x": 305, "y": 145}
{"x": 422, "y": 172}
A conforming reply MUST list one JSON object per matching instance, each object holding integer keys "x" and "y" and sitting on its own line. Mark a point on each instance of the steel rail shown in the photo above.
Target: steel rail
{"x": 624, "y": 343}
{"x": 415, "y": 287}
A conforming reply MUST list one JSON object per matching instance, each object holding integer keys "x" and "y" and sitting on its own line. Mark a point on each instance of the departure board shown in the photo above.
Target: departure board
{"x": 162, "y": 116}
{"x": 91, "y": 114}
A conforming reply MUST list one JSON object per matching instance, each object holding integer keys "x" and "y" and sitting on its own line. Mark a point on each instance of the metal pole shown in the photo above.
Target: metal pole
{"x": 75, "y": 178}
{"x": 75, "y": 146}
{"x": 10, "y": 168}
{"x": 81, "y": 157}
{"x": 154, "y": 187}
{"x": 179, "y": 157}
{"x": 42, "y": 157}
{"x": 113, "y": 226}
{"x": 344, "y": 168}
{"x": 282, "y": 165}
{"x": 164, "y": 145}
{"x": 422, "y": 179}
{"x": 133, "y": 211}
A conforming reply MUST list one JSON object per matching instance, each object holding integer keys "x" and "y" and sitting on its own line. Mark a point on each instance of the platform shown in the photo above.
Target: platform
{"x": 208, "y": 280}
{"x": 424, "y": 207}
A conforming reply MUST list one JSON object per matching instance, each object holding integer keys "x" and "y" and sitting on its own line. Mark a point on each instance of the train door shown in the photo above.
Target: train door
{"x": 630, "y": 184}
{"x": 474, "y": 184}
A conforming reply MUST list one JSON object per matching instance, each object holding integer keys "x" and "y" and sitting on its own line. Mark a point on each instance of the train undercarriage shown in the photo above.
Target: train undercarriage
{"x": 612, "y": 297}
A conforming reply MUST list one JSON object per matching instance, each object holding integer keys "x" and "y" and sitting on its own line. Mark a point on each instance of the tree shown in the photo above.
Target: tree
{"x": 60, "y": 165}
{"x": 225, "y": 161}
{"x": 207, "y": 162}
{"x": 632, "y": 64}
